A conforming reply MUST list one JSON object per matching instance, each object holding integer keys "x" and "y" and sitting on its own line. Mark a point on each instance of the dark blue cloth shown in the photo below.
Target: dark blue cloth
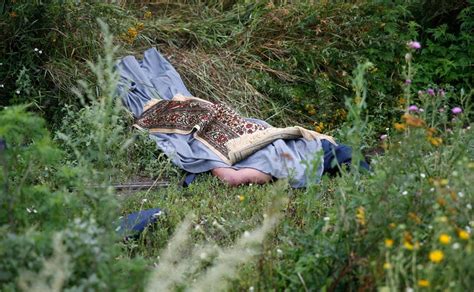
{"x": 133, "y": 224}
{"x": 337, "y": 156}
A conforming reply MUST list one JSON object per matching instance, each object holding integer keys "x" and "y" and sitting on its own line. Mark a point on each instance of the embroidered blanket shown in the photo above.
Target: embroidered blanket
{"x": 217, "y": 126}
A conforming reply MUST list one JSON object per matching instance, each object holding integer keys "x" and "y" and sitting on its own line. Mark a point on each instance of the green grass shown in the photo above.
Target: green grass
{"x": 288, "y": 63}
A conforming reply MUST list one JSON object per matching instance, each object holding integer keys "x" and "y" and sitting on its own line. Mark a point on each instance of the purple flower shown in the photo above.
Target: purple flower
{"x": 414, "y": 45}
{"x": 430, "y": 91}
{"x": 408, "y": 81}
{"x": 383, "y": 137}
{"x": 441, "y": 92}
{"x": 456, "y": 110}
{"x": 413, "y": 108}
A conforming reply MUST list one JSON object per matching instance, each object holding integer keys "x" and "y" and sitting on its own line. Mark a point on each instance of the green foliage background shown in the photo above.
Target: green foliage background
{"x": 288, "y": 62}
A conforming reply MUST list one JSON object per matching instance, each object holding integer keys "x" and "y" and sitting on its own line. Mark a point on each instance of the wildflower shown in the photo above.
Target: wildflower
{"x": 463, "y": 234}
{"x": 444, "y": 182}
{"x": 423, "y": 283}
{"x": 422, "y": 175}
{"x": 413, "y": 121}
{"x": 360, "y": 216}
{"x": 132, "y": 32}
{"x": 2, "y": 86}
{"x": 404, "y": 193}
{"x": 414, "y": 217}
{"x": 436, "y": 256}
{"x": 35, "y": 49}
{"x": 456, "y": 110}
{"x": 408, "y": 57}
{"x": 383, "y": 137}
{"x": 17, "y": 92}
{"x": 241, "y": 198}
{"x": 144, "y": 201}
{"x": 414, "y": 45}
{"x": 399, "y": 127}
{"x": 436, "y": 141}
{"x": 408, "y": 81}
{"x": 430, "y": 91}
{"x": 413, "y": 108}
{"x": 147, "y": 15}
{"x": 444, "y": 239}
{"x": 319, "y": 127}
{"x": 140, "y": 26}
{"x": 279, "y": 251}
{"x": 13, "y": 14}
{"x": 441, "y": 93}
{"x": 387, "y": 266}
{"x": 456, "y": 245}
{"x": 326, "y": 219}
{"x": 40, "y": 52}
{"x": 408, "y": 245}
{"x": 388, "y": 243}
{"x": 392, "y": 225}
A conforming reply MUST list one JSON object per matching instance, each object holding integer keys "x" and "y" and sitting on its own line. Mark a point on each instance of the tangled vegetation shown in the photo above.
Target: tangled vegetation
{"x": 395, "y": 75}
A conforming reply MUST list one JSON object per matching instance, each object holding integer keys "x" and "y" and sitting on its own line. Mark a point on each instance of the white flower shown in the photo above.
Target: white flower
{"x": 144, "y": 201}
{"x": 456, "y": 245}
{"x": 40, "y": 51}
{"x": 17, "y": 92}
{"x": 36, "y": 49}
{"x": 28, "y": 210}
{"x": 279, "y": 251}
{"x": 409, "y": 289}
{"x": 2, "y": 86}
{"x": 430, "y": 226}
{"x": 422, "y": 175}
{"x": 35, "y": 211}
{"x": 197, "y": 227}
{"x": 469, "y": 206}
{"x": 432, "y": 190}
{"x": 246, "y": 234}
{"x": 326, "y": 219}
{"x": 461, "y": 194}
{"x": 251, "y": 289}
{"x": 203, "y": 255}
{"x": 405, "y": 193}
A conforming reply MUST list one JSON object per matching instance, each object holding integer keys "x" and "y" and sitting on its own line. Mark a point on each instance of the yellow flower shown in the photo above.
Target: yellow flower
{"x": 140, "y": 26}
{"x": 444, "y": 182}
{"x": 436, "y": 256}
{"x": 413, "y": 121}
{"x": 423, "y": 283}
{"x": 132, "y": 32}
{"x": 444, "y": 239}
{"x": 241, "y": 198}
{"x": 319, "y": 127}
{"x": 388, "y": 243}
{"x": 408, "y": 245}
{"x": 463, "y": 234}
{"x": 399, "y": 127}
{"x": 360, "y": 216}
{"x": 392, "y": 225}
{"x": 147, "y": 15}
{"x": 414, "y": 217}
{"x": 387, "y": 266}
{"x": 435, "y": 141}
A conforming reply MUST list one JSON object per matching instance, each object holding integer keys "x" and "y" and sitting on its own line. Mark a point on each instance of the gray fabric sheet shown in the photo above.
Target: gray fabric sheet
{"x": 155, "y": 77}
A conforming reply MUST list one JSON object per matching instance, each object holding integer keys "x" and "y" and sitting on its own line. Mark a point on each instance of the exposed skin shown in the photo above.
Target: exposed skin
{"x": 240, "y": 177}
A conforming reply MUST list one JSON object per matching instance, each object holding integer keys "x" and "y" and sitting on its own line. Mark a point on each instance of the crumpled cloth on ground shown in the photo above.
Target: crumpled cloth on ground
{"x": 154, "y": 77}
